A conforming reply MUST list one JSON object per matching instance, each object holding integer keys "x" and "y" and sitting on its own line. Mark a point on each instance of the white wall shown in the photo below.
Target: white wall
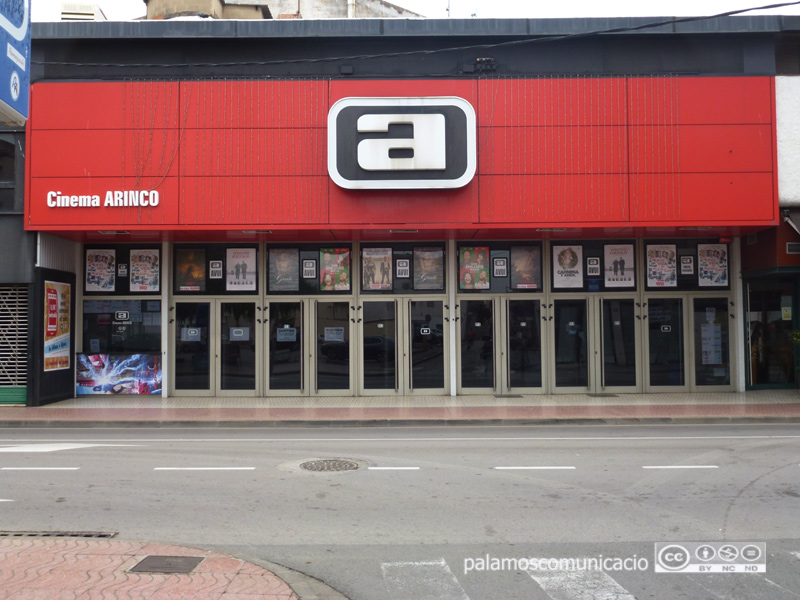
{"x": 787, "y": 101}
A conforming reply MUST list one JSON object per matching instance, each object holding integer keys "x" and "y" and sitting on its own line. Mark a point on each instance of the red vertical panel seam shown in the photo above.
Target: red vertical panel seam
{"x": 626, "y": 119}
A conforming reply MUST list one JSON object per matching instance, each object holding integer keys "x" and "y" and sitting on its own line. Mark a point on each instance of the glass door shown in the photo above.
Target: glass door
{"x": 332, "y": 361}
{"x": 402, "y": 347}
{"x": 476, "y": 362}
{"x": 712, "y": 356}
{"x": 286, "y": 364}
{"x": 237, "y": 348}
{"x": 769, "y": 326}
{"x": 665, "y": 330}
{"x": 618, "y": 353}
{"x": 571, "y": 338}
{"x": 523, "y": 346}
{"x": 380, "y": 337}
{"x": 596, "y": 345}
{"x": 192, "y": 373}
{"x": 428, "y": 347}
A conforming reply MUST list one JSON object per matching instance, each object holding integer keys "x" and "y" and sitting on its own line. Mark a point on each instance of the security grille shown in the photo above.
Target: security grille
{"x": 13, "y": 335}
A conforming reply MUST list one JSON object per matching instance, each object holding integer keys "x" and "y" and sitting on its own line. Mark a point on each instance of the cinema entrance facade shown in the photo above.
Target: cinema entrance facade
{"x": 436, "y": 236}
{"x": 250, "y": 319}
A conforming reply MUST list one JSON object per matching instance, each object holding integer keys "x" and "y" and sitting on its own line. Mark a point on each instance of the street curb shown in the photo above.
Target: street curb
{"x": 107, "y": 424}
{"x": 305, "y": 586}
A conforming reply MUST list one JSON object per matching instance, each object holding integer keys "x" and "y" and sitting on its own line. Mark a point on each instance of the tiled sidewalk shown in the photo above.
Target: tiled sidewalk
{"x": 98, "y": 569}
{"x": 778, "y": 405}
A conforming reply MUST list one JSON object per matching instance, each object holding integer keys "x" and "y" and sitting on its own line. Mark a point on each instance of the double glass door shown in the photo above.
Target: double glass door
{"x": 216, "y": 347}
{"x": 688, "y": 343}
{"x": 596, "y": 344}
{"x": 500, "y": 345}
{"x": 403, "y": 346}
{"x": 220, "y": 348}
{"x": 310, "y": 350}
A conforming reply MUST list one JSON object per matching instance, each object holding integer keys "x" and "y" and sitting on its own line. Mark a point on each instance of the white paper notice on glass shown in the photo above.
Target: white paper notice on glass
{"x": 334, "y": 334}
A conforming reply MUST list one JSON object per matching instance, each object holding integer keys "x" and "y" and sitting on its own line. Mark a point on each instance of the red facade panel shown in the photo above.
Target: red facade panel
{"x": 563, "y": 200}
{"x": 106, "y": 105}
{"x": 253, "y": 153}
{"x": 552, "y": 150}
{"x": 547, "y": 102}
{"x": 444, "y": 207}
{"x": 105, "y": 153}
{"x": 254, "y": 104}
{"x": 610, "y": 152}
{"x": 700, "y": 100}
{"x": 253, "y": 202}
{"x": 694, "y": 198}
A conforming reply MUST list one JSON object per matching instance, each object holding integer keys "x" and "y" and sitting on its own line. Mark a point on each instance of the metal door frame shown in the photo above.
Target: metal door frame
{"x": 306, "y": 340}
{"x": 257, "y": 341}
{"x": 596, "y": 319}
{"x": 688, "y": 348}
{"x": 312, "y": 336}
{"x": 403, "y": 346}
{"x": 504, "y": 340}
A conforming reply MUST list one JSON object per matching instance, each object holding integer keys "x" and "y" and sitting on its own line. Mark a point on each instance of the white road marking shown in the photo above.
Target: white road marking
{"x": 39, "y": 468}
{"x": 531, "y": 468}
{"x": 795, "y": 554}
{"x": 2, "y": 500}
{"x": 580, "y": 585}
{"x": 424, "y": 580}
{"x": 393, "y": 468}
{"x": 681, "y": 467}
{"x": 204, "y": 469}
{"x": 57, "y": 447}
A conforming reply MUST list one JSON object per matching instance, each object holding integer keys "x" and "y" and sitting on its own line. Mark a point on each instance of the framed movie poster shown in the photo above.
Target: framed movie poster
{"x": 376, "y": 269}
{"x": 567, "y": 267}
{"x": 428, "y": 268}
{"x": 712, "y": 265}
{"x": 473, "y": 268}
{"x": 240, "y": 267}
{"x": 619, "y": 266}
{"x": 662, "y": 266}
{"x": 334, "y": 269}
{"x": 526, "y": 268}
{"x": 101, "y": 270}
{"x": 190, "y": 269}
{"x": 57, "y": 325}
{"x": 284, "y": 270}
{"x": 145, "y": 271}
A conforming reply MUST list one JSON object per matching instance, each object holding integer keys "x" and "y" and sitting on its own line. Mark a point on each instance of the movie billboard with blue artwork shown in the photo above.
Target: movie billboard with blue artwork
{"x": 118, "y": 374}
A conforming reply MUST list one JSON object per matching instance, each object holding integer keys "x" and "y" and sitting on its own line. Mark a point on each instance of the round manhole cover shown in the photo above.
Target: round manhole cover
{"x": 329, "y": 464}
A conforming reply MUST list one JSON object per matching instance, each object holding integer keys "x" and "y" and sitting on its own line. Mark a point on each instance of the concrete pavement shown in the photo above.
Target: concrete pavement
{"x": 122, "y": 410}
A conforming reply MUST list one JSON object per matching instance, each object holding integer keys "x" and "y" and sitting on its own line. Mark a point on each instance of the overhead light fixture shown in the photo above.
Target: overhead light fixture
{"x": 695, "y": 228}
{"x": 114, "y": 232}
{"x": 256, "y": 231}
{"x": 404, "y": 231}
{"x": 551, "y": 229}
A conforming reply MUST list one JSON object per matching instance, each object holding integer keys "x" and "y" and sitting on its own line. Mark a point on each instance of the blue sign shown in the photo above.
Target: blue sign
{"x": 15, "y": 60}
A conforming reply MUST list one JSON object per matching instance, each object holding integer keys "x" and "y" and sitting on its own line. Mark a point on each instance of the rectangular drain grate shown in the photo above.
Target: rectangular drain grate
{"x": 60, "y": 534}
{"x": 167, "y": 564}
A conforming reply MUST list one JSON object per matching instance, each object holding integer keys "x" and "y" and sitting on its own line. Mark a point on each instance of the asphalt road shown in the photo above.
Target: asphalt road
{"x": 429, "y": 508}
